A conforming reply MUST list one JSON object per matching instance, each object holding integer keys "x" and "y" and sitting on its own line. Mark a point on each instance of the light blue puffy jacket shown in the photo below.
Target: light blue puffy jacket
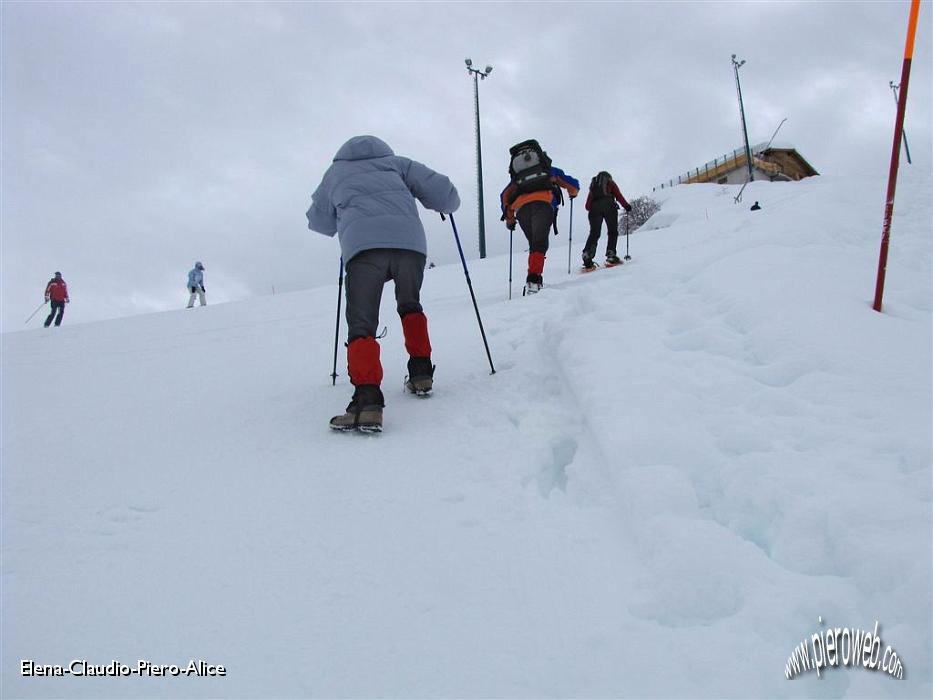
{"x": 196, "y": 276}
{"x": 367, "y": 197}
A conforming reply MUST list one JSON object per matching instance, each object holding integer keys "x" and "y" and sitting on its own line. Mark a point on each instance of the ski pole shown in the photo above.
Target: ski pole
{"x": 333, "y": 375}
{"x": 466, "y": 273}
{"x": 570, "y": 238}
{"x": 35, "y": 312}
{"x": 627, "y": 256}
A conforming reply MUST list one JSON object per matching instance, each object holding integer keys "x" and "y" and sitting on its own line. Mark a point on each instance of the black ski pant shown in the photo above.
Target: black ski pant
{"x": 536, "y": 220}
{"x": 597, "y": 215}
{"x": 367, "y": 272}
{"x": 59, "y": 307}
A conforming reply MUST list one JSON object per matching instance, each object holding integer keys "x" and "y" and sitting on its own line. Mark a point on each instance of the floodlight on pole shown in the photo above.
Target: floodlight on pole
{"x": 477, "y": 76}
{"x": 738, "y": 86}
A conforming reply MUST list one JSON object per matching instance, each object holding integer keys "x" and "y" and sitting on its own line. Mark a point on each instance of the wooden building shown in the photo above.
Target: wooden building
{"x": 779, "y": 162}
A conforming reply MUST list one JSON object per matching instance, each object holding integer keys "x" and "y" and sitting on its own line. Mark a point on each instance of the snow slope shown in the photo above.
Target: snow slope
{"x": 679, "y": 466}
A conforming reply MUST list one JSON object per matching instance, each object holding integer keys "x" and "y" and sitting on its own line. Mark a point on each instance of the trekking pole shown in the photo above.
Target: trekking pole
{"x": 627, "y": 256}
{"x": 511, "y": 236}
{"x": 466, "y": 272}
{"x": 35, "y": 312}
{"x": 333, "y": 374}
{"x": 570, "y": 236}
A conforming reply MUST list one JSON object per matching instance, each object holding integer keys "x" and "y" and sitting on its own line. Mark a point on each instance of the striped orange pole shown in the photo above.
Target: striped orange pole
{"x": 896, "y": 152}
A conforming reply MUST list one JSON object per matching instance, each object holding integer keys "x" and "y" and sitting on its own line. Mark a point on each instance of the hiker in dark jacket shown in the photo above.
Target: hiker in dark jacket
{"x": 602, "y": 203}
{"x": 367, "y": 197}
{"x": 56, "y": 291}
{"x": 536, "y": 212}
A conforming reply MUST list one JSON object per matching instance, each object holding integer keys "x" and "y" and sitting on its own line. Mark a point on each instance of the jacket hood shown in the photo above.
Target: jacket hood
{"x": 362, "y": 148}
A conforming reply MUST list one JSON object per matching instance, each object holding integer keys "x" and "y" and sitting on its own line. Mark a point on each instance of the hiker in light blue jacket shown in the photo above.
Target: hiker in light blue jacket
{"x": 367, "y": 197}
{"x": 196, "y": 284}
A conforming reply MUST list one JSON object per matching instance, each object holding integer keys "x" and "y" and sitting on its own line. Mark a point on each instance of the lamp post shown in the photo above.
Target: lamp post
{"x": 738, "y": 86}
{"x": 479, "y": 75}
{"x": 903, "y": 133}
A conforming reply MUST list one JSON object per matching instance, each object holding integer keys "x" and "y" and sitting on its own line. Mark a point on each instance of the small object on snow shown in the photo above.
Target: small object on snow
{"x": 756, "y": 206}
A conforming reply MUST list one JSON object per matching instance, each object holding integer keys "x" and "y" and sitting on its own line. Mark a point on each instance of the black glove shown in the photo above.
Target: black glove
{"x": 203, "y": 290}
{"x": 510, "y": 225}
{"x": 628, "y": 207}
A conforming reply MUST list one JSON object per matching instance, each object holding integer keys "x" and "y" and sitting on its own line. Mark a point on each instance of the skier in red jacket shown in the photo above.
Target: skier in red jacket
{"x": 601, "y": 204}
{"x": 56, "y": 291}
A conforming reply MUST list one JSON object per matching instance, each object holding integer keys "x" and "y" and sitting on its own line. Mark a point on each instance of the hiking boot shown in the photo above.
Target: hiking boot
{"x": 533, "y": 283}
{"x": 588, "y": 263}
{"x": 613, "y": 259}
{"x": 364, "y": 412}
{"x": 420, "y": 378}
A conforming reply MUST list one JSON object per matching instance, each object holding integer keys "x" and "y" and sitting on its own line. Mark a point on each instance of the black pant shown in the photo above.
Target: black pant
{"x": 536, "y": 219}
{"x": 367, "y": 272}
{"x": 58, "y": 306}
{"x": 602, "y": 210}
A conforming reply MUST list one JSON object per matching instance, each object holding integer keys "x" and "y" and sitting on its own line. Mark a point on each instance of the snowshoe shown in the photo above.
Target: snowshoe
{"x": 532, "y": 288}
{"x": 613, "y": 260}
{"x": 533, "y": 284}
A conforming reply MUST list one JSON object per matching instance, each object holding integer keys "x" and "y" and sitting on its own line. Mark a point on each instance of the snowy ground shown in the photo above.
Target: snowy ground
{"x": 678, "y": 468}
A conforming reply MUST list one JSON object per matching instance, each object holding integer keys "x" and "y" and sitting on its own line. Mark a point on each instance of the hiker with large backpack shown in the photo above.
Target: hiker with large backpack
{"x": 602, "y": 203}
{"x": 367, "y": 197}
{"x": 531, "y": 198}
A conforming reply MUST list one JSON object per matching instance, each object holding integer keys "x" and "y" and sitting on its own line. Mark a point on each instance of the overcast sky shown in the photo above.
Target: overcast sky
{"x": 140, "y": 137}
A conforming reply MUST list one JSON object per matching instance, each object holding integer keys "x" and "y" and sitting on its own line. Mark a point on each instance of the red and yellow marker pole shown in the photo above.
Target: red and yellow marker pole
{"x": 896, "y": 152}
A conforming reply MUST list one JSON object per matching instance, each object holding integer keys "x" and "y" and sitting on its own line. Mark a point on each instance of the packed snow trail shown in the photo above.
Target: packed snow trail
{"x": 678, "y": 467}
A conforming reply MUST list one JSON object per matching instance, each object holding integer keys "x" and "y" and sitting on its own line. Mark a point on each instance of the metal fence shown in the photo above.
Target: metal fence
{"x": 714, "y": 168}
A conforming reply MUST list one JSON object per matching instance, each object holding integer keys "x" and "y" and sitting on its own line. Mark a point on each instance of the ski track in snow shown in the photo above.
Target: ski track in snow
{"x": 679, "y": 465}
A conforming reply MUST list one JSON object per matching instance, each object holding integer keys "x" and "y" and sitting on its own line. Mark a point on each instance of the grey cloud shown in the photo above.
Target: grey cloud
{"x": 139, "y": 137}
